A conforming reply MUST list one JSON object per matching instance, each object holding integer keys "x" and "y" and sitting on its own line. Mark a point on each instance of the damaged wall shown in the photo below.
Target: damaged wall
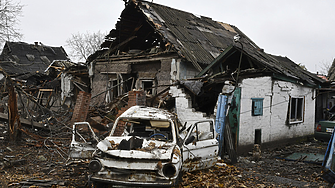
{"x": 291, "y": 130}
{"x": 147, "y": 75}
{"x": 163, "y": 76}
{"x": 99, "y": 82}
{"x": 102, "y": 73}
{"x": 182, "y": 70}
{"x": 184, "y": 109}
{"x": 274, "y": 124}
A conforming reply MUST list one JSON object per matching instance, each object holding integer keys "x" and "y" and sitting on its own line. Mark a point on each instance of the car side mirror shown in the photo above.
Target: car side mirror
{"x": 189, "y": 140}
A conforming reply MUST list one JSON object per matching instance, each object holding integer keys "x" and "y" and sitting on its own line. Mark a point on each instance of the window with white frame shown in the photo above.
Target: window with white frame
{"x": 296, "y": 110}
{"x": 115, "y": 87}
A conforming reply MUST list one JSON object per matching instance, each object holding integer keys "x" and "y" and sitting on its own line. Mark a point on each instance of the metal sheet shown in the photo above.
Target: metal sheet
{"x": 220, "y": 119}
{"x": 306, "y": 157}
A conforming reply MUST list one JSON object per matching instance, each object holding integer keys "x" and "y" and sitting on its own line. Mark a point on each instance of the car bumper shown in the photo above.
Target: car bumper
{"x": 322, "y": 136}
{"x": 125, "y": 182}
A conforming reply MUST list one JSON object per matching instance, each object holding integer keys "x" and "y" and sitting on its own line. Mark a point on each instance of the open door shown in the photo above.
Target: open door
{"x": 200, "y": 148}
{"x": 83, "y": 142}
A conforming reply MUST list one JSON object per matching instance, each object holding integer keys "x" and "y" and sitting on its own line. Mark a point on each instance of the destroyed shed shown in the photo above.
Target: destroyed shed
{"x": 33, "y": 81}
{"x": 190, "y": 61}
{"x": 34, "y": 67}
{"x": 45, "y": 69}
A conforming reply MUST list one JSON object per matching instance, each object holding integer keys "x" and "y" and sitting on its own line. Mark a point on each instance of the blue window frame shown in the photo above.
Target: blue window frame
{"x": 257, "y": 106}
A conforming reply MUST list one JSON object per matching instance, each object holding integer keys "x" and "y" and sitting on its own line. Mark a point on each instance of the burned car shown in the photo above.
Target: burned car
{"x": 153, "y": 149}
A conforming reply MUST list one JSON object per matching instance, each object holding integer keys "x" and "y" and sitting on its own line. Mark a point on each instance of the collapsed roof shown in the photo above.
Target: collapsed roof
{"x": 145, "y": 26}
{"x": 19, "y": 58}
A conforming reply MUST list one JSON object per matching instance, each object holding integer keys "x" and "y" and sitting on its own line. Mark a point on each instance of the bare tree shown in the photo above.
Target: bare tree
{"x": 324, "y": 67}
{"x": 9, "y": 19}
{"x": 83, "y": 45}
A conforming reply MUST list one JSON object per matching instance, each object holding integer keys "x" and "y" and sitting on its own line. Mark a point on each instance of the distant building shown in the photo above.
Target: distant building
{"x": 20, "y": 58}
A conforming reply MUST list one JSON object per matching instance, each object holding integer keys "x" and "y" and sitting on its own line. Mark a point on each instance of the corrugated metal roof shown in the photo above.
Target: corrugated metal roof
{"x": 201, "y": 38}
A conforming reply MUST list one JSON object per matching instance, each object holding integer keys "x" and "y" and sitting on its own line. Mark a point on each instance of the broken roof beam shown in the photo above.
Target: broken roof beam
{"x": 119, "y": 45}
{"x": 250, "y": 62}
{"x": 227, "y": 52}
{"x": 134, "y": 60}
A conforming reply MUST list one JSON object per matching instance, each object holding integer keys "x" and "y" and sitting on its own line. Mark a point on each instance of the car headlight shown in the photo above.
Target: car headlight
{"x": 169, "y": 170}
{"x": 94, "y": 166}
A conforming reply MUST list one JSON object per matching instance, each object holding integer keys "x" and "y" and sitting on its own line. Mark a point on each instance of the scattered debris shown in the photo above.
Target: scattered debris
{"x": 316, "y": 158}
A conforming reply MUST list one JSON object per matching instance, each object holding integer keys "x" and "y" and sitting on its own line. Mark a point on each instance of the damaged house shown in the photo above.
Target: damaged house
{"x": 21, "y": 60}
{"x": 44, "y": 69}
{"x": 191, "y": 61}
{"x": 35, "y": 70}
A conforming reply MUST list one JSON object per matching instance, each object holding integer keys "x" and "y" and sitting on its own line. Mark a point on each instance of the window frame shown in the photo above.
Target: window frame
{"x": 254, "y": 101}
{"x": 299, "y": 115}
{"x": 152, "y": 82}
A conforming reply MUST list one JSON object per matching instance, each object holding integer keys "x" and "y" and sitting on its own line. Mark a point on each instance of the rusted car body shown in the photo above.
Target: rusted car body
{"x": 153, "y": 150}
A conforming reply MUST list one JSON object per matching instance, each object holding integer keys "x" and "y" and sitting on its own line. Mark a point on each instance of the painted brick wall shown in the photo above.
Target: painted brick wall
{"x": 135, "y": 97}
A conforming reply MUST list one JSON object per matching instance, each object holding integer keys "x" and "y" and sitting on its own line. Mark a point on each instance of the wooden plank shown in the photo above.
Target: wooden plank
{"x": 46, "y": 90}
{"x": 23, "y": 121}
{"x": 134, "y": 60}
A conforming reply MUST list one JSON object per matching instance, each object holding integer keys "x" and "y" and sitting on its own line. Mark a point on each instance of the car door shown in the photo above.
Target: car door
{"x": 200, "y": 148}
{"x": 83, "y": 141}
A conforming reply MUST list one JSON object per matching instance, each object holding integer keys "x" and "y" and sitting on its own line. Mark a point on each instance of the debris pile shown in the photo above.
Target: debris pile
{"x": 38, "y": 109}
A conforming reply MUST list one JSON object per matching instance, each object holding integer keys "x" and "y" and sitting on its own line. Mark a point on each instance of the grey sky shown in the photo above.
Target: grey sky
{"x": 302, "y": 30}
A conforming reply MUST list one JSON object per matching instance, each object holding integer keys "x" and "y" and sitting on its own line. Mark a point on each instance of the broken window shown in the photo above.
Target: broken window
{"x": 203, "y": 131}
{"x": 154, "y": 129}
{"x": 257, "y": 106}
{"x": 116, "y": 87}
{"x": 82, "y": 133}
{"x": 149, "y": 86}
{"x": 113, "y": 92}
{"x": 296, "y": 109}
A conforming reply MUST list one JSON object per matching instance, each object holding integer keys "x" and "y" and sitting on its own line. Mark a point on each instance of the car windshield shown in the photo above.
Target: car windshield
{"x": 150, "y": 129}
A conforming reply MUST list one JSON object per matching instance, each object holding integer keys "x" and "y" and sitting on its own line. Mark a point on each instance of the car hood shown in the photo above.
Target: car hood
{"x": 149, "y": 149}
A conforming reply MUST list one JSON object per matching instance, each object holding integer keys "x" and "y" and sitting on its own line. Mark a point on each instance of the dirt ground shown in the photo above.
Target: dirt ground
{"x": 40, "y": 161}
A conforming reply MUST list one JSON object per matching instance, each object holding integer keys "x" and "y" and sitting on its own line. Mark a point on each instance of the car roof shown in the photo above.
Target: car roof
{"x": 150, "y": 113}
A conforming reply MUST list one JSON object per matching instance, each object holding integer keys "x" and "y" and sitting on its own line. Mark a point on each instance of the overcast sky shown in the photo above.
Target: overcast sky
{"x": 302, "y": 30}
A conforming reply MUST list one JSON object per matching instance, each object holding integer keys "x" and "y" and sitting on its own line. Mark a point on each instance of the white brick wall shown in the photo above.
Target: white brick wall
{"x": 275, "y": 109}
{"x": 184, "y": 108}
